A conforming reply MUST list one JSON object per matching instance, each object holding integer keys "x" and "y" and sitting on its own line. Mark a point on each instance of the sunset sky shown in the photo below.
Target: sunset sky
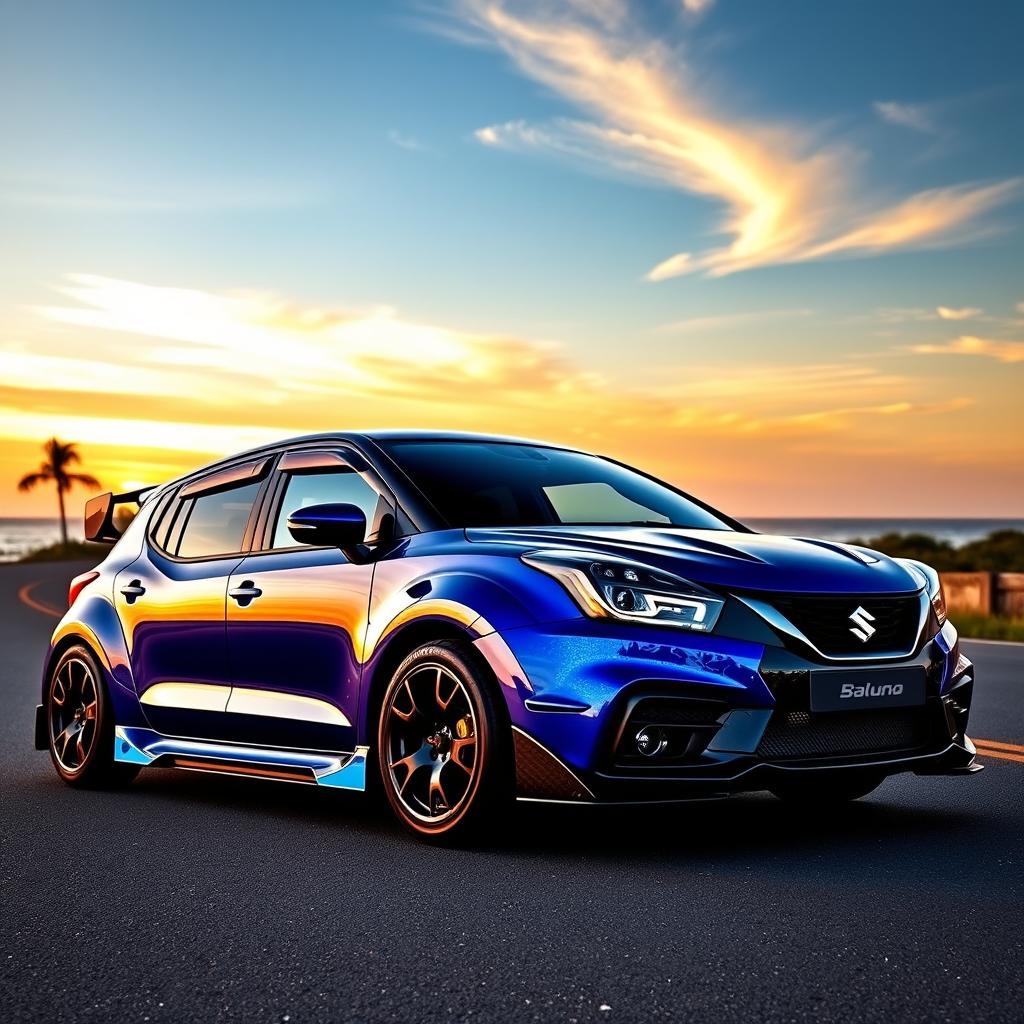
{"x": 772, "y": 252}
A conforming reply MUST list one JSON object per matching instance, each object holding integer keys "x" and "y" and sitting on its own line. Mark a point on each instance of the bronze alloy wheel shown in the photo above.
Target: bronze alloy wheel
{"x": 80, "y": 723}
{"x": 74, "y": 709}
{"x": 437, "y": 730}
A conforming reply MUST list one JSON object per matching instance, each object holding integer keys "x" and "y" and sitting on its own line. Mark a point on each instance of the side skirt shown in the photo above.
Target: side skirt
{"x": 150, "y": 749}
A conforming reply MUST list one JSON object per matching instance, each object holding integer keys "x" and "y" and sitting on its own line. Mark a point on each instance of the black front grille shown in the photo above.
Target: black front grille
{"x": 826, "y": 622}
{"x": 801, "y": 734}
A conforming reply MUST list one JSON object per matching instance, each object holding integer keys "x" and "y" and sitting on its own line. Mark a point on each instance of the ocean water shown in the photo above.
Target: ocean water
{"x": 19, "y": 536}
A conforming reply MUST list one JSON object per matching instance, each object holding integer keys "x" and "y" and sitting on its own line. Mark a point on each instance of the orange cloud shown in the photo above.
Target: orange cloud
{"x": 966, "y": 345}
{"x": 242, "y": 368}
{"x": 964, "y": 313}
{"x": 928, "y": 217}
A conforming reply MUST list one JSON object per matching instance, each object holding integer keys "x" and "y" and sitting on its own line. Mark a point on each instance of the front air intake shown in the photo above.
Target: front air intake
{"x": 801, "y": 734}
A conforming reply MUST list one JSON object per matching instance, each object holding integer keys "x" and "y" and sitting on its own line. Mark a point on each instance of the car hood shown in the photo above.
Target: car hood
{"x": 723, "y": 558}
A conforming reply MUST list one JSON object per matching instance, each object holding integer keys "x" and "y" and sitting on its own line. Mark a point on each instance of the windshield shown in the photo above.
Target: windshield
{"x": 478, "y": 483}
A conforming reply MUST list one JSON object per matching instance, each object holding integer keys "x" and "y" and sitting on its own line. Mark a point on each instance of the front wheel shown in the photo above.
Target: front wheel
{"x": 443, "y": 745}
{"x": 80, "y": 724}
{"x": 823, "y": 789}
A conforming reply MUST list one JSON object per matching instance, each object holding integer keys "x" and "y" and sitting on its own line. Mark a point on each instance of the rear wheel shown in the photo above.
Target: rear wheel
{"x": 442, "y": 745}
{"x": 826, "y": 788}
{"x": 80, "y": 723}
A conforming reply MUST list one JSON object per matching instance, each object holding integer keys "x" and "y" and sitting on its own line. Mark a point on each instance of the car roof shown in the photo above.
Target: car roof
{"x": 384, "y": 436}
{"x": 451, "y": 435}
{"x": 360, "y": 439}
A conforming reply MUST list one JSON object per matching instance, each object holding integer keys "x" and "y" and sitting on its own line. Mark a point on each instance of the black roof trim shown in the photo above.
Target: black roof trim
{"x": 361, "y": 436}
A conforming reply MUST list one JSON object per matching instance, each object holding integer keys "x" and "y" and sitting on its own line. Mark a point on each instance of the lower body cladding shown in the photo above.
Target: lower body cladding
{"x": 149, "y": 749}
{"x": 656, "y": 717}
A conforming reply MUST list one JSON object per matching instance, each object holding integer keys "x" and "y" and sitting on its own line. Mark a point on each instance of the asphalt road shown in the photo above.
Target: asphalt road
{"x": 192, "y": 897}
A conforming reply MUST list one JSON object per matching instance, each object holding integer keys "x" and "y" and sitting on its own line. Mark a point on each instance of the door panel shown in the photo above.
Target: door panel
{"x": 171, "y": 601}
{"x": 295, "y": 650}
{"x": 173, "y": 619}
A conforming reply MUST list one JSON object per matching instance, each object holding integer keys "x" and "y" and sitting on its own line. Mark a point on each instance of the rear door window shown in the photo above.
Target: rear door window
{"x": 213, "y": 524}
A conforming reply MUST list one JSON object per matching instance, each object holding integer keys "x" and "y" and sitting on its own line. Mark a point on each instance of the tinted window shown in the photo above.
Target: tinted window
{"x": 597, "y": 502}
{"x": 473, "y": 483}
{"x": 214, "y": 524}
{"x": 318, "y": 489}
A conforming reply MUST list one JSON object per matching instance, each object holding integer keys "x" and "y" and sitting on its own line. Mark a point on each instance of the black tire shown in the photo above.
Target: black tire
{"x": 826, "y": 788}
{"x": 80, "y": 724}
{"x": 440, "y": 713}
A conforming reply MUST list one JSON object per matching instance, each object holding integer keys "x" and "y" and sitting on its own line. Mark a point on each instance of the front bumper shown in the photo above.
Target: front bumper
{"x": 735, "y": 715}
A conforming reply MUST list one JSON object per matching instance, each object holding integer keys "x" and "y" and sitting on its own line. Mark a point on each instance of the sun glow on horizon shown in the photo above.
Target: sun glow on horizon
{"x": 226, "y": 372}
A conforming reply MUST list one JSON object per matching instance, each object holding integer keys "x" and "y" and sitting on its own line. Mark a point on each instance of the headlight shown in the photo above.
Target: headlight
{"x": 929, "y": 579}
{"x": 610, "y": 588}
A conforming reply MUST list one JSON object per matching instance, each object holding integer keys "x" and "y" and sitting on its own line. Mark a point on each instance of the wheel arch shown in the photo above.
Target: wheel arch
{"x": 115, "y": 673}
{"x": 73, "y": 636}
{"x": 399, "y": 645}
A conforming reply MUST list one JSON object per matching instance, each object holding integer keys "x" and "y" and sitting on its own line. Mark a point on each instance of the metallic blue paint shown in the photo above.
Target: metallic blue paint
{"x": 327, "y": 628}
{"x": 739, "y": 561}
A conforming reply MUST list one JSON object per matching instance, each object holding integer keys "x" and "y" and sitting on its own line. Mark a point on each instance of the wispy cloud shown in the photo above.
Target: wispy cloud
{"x": 967, "y": 345}
{"x": 697, "y": 6}
{"x": 906, "y": 115}
{"x": 897, "y": 315}
{"x": 369, "y": 352}
{"x": 963, "y": 313}
{"x": 409, "y": 142}
{"x": 787, "y": 197}
{"x": 935, "y": 217}
{"x": 727, "y": 320}
{"x": 249, "y": 360}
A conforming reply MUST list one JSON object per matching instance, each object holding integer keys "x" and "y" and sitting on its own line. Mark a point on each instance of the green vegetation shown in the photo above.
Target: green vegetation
{"x": 74, "y": 550}
{"x": 988, "y": 627}
{"x": 1002, "y": 551}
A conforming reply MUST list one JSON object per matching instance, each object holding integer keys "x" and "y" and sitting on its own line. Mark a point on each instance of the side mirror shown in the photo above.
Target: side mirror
{"x": 330, "y": 525}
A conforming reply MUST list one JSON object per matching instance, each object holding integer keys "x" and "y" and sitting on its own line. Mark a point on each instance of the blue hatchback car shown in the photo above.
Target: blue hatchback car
{"x": 464, "y": 621}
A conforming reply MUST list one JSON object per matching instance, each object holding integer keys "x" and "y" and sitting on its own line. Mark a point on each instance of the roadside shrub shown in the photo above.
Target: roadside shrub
{"x": 1001, "y": 551}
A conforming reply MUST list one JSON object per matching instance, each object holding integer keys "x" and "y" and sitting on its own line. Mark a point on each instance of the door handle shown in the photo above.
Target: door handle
{"x": 246, "y": 593}
{"x": 133, "y": 590}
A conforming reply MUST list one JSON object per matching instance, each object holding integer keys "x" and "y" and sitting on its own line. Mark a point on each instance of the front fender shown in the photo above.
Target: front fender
{"x": 508, "y": 596}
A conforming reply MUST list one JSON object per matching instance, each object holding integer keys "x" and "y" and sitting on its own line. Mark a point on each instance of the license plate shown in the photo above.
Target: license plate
{"x": 857, "y": 689}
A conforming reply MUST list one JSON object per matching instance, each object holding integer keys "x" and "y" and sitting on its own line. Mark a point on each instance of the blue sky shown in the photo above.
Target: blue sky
{"x": 707, "y": 193}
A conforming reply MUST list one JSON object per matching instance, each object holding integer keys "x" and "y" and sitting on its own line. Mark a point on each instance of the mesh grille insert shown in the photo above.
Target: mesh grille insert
{"x": 796, "y": 734}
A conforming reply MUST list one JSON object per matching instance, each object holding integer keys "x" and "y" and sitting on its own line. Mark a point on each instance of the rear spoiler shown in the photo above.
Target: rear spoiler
{"x": 102, "y": 519}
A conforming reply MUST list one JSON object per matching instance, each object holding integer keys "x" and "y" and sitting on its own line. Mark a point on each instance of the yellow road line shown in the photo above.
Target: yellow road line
{"x": 985, "y": 752}
{"x": 1010, "y": 748}
{"x": 26, "y": 598}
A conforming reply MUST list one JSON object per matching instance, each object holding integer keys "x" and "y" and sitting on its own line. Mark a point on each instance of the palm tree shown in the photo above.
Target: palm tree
{"x": 59, "y": 457}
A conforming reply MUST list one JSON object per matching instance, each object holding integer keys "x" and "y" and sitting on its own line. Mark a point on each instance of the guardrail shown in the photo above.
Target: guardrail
{"x": 985, "y": 593}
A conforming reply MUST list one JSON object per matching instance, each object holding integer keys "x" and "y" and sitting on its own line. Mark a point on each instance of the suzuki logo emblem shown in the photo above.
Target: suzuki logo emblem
{"x": 862, "y": 628}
